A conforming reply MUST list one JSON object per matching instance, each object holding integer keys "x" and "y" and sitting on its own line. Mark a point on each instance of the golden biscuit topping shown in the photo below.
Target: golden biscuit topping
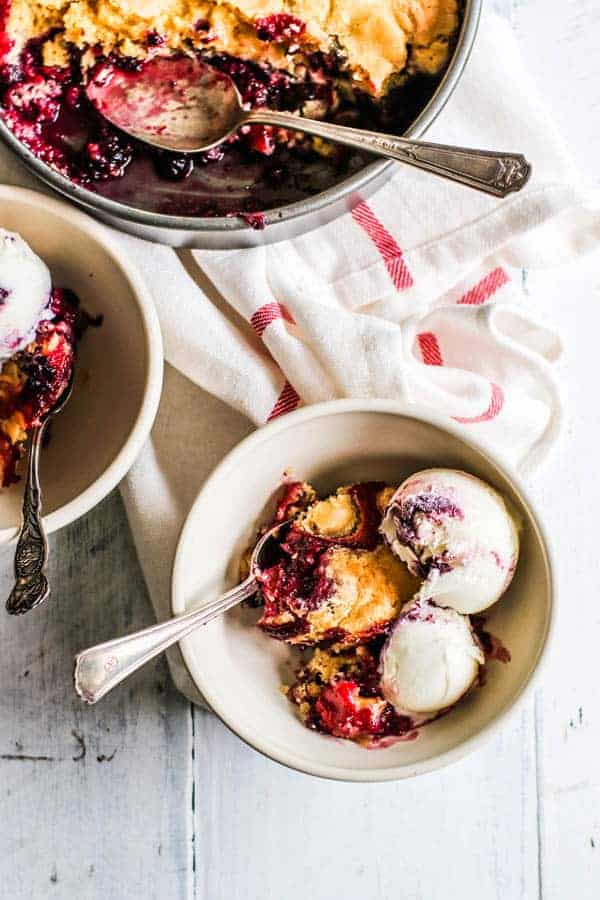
{"x": 336, "y": 516}
{"x": 376, "y": 40}
{"x": 370, "y": 587}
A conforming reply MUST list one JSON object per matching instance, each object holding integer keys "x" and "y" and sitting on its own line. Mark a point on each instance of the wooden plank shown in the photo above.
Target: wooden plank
{"x": 568, "y": 703}
{"x": 560, "y": 43}
{"x": 96, "y": 802}
{"x": 269, "y": 833}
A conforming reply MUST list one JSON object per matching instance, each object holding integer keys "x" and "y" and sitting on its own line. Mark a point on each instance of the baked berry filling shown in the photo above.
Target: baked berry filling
{"x": 32, "y": 380}
{"x": 279, "y": 27}
{"x": 294, "y": 585}
{"x": 48, "y": 110}
{"x": 296, "y": 497}
{"x": 339, "y": 695}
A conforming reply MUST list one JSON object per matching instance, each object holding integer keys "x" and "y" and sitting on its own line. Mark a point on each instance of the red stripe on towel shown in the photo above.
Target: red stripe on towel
{"x": 430, "y": 349}
{"x": 496, "y": 404}
{"x": 389, "y": 250}
{"x": 485, "y": 288}
{"x": 268, "y": 313}
{"x": 286, "y": 402}
{"x": 432, "y": 356}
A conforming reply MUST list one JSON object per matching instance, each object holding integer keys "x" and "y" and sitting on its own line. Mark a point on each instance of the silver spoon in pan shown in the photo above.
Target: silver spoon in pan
{"x": 187, "y": 106}
{"x": 99, "y": 669}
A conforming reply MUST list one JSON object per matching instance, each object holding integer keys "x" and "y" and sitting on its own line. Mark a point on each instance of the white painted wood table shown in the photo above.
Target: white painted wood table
{"x": 144, "y": 796}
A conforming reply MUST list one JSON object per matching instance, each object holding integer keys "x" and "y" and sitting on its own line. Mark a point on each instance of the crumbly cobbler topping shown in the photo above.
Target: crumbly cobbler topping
{"x": 371, "y": 586}
{"x": 334, "y": 517}
{"x": 378, "y": 40}
{"x": 335, "y": 581}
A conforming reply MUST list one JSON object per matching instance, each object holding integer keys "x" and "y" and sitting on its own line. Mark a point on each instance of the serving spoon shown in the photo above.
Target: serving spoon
{"x": 101, "y": 668}
{"x": 31, "y": 555}
{"x": 186, "y": 106}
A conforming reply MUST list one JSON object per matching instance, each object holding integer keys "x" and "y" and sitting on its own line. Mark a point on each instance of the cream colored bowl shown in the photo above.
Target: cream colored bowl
{"x": 239, "y": 669}
{"x": 119, "y": 368}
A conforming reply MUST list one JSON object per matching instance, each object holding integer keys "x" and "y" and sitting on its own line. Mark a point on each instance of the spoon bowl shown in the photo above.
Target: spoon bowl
{"x": 177, "y": 104}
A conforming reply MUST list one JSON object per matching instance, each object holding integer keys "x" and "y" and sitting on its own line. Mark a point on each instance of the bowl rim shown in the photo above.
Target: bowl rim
{"x": 140, "y": 428}
{"x": 95, "y": 203}
{"x": 389, "y": 773}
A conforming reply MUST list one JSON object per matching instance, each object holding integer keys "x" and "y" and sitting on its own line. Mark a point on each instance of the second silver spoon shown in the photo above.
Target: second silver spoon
{"x": 31, "y": 555}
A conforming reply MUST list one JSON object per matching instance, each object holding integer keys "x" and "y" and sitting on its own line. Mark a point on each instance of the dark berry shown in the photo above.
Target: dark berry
{"x": 107, "y": 157}
{"x": 154, "y": 39}
{"x": 173, "y": 167}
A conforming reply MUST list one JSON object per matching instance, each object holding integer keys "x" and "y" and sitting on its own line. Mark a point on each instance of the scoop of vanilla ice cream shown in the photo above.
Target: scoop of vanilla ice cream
{"x": 430, "y": 660}
{"x": 25, "y": 286}
{"x": 455, "y": 531}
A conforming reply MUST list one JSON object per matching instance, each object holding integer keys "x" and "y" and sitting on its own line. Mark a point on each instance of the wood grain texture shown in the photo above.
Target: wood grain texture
{"x": 463, "y": 831}
{"x": 95, "y": 802}
{"x": 567, "y": 708}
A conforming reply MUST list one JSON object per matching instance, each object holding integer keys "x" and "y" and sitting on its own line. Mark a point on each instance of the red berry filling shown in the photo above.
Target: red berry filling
{"x": 48, "y": 110}
{"x": 294, "y": 585}
{"x": 279, "y": 27}
{"x": 33, "y": 380}
{"x": 342, "y": 712}
{"x": 259, "y": 168}
{"x": 348, "y": 703}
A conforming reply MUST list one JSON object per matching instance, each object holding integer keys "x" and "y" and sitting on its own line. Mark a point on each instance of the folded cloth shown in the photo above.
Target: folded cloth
{"x": 412, "y": 296}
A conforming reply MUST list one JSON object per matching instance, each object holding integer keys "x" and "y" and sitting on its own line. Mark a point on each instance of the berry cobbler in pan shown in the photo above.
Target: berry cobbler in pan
{"x": 350, "y": 61}
{"x": 386, "y": 645}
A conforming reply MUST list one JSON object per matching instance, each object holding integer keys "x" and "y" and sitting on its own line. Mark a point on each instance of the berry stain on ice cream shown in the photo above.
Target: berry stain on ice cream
{"x": 456, "y": 532}
{"x": 25, "y": 287}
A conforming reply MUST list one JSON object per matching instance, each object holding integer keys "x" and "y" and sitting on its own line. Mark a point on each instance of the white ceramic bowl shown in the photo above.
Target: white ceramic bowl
{"x": 119, "y": 369}
{"x": 239, "y": 669}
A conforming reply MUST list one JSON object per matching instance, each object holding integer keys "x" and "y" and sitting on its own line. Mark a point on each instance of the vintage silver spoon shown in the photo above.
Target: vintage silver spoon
{"x": 99, "y": 669}
{"x": 187, "y": 106}
{"x": 31, "y": 584}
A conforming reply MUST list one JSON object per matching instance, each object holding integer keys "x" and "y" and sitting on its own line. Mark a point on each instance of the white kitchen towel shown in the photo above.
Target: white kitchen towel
{"x": 412, "y": 296}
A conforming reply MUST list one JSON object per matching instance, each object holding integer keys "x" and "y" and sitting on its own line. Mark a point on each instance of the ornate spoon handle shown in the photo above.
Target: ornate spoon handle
{"x": 494, "y": 173}
{"x": 31, "y": 585}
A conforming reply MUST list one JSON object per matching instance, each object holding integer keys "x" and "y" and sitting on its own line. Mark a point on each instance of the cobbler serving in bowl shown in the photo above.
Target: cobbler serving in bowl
{"x": 40, "y": 326}
{"x": 352, "y": 62}
{"x": 336, "y": 581}
{"x": 376, "y": 584}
